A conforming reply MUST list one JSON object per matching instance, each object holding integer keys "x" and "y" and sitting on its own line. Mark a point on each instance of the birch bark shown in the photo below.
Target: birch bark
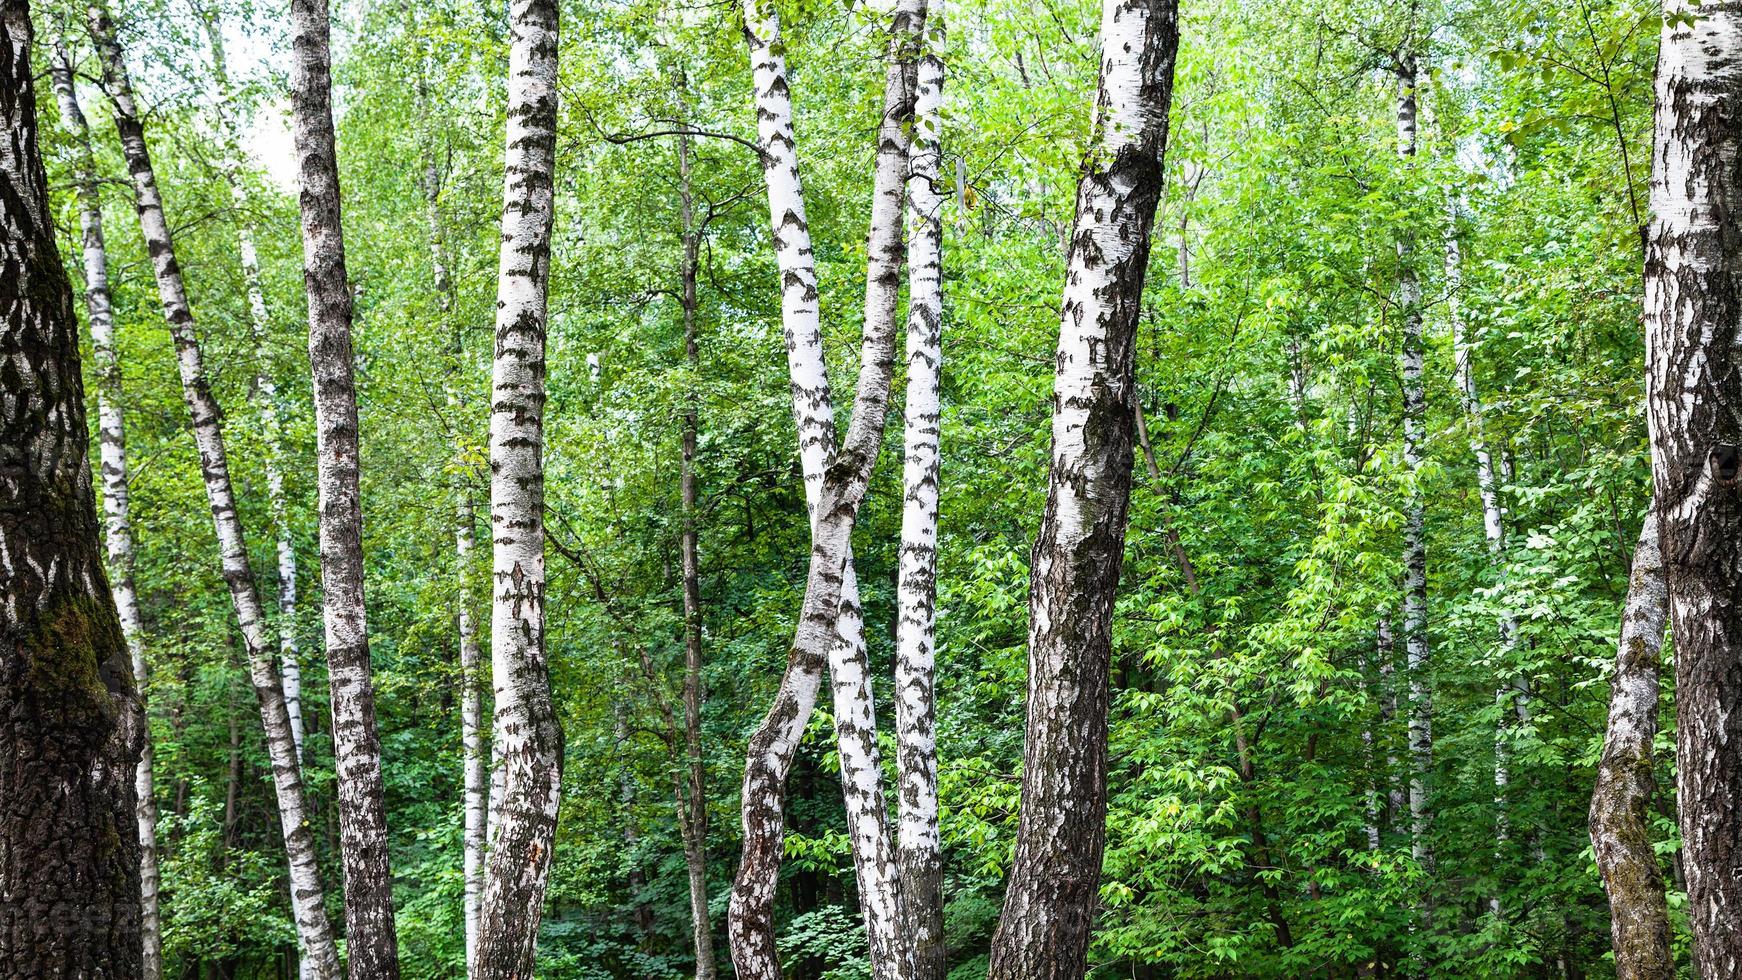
{"x": 1693, "y": 305}
{"x": 920, "y": 847}
{"x": 313, "y": 929}
{"x": 1415, "y": 644}
{"x": 69, "y": 711}
{"x": 112, "y": 449}
{"x": 265, "y": 388}
{"x": 477, "y": 761}
{"x": 1049, "y": 907}
{"x": 529, "y": 741}
{"x": 830, "y": 626}
{"x": 372, "y": 944}
{"x": 1626, "y": 783}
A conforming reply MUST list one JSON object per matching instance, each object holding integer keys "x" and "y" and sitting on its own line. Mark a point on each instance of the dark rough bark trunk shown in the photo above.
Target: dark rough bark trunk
{"x": 372, "y": 944}
{"x": 313, "y": 928}
{"x": 70, "y": 732}
{"x": 112, "y": 440}
{"x": 1049, "y": 909}
{"x": 693, "y": 803}
{"x": 1626, "y": 784}
{"x": 1693, "y": 311}
{"x": 529, "y": 741}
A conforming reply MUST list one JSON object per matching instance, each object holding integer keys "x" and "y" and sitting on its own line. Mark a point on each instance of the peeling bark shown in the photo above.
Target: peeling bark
{"x": 314, "y": 932}
{"x": 1049, "y": 909}
{"x": 70, "y": 715}
{"x": 1693, "y": 306}
{"x": 1626, "y": 781}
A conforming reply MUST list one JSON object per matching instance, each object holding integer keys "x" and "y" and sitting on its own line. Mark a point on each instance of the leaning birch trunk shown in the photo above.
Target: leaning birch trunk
{"x": 371, "y": 941}
{"x": 1693, "y": 308}
{"x": 1049, "y": 908}
{"x": 265, "y": 388}
{"x": 308, "y": 903}
{"x": 919, "y": 845}
{"x": 529, "y": 747}
{"x": 476, "y": 762}
{"x": 112, "y": 446}
{"x": 750, "y": 914}
{"x": 1626, "y": 781}
{"x": 70, "y": 741}
{"x": 692, "y": 798}
{"x": 876, "y": 867}
{"x": 1415, "y": 643}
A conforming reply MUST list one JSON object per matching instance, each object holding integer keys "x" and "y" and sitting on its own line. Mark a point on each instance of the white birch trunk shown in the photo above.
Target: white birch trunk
{"x": 372, "y": 945}
{"x": 112, "y": 448}
{"x": 1050, "y": 904}
{"x": 313, "y": 929}
{"x": 1415, "y": 642}
{"x": 529, "y": 741}
{"x": 920, "y": 847}
{"x": 476, "y": 762}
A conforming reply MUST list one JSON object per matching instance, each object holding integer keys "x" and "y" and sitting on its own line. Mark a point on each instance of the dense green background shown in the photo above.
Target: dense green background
{"x": 1283, "y": 181}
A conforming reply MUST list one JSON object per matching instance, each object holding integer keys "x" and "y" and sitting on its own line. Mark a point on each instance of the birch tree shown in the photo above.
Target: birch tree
{"x": 1415, "y": 645}
{"x": 372, "y": 944}
{"x": 1049, "y": 906}
{"x": 265, "y": 391}
{"x": 920, "y": 847}
{"x": 1626, "y": 781}
{"x": 477, "y": 761}
{"x": 1693, "y": 304}
{"x": 529, "y": 742}
{"x": 71, "y": 737}
{"x": 692, "y": 799}
{"x": 830, "y": 626}
{"x": 118, "y": 528}
{"x": 314, "y": 932}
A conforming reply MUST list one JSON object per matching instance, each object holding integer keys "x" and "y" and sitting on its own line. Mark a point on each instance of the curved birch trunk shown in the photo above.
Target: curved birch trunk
{"x": 371, "y": 940}
{"x": 1049, "y": 907}
{"x": 529, "y": 741}
{"x": 920, "y": 848}
{"x": 112, "y": 447}
{"x": 830, "y": 627}
{"x": 71, "y": 738}
{"x": 1626, "y": 782}
{"x": 1693, "y": 308}
{"x": 265, "y": 388}
{"x": 692, "y": 797}
{"x": 314, "y": 932}
{"x": 1415, "y": 645}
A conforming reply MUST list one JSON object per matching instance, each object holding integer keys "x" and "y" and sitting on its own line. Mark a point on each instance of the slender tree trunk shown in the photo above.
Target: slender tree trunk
{"x": 477, "y": 762}
{"x": 112, "y": 447}
{"x": 70, "y": 714}
{"x": 371, "y": 942}
{"x": 265, "y": 388}
{"x": 693, "y": 801}
{"x": 750, "y": 916}
{"x": 1693, "y": 306}
{"x": 1626, "y": 782}
{"x": 1049, "y": 908}
{"x": 529, "y": 742}
{"x": 1415, "y": 643}
{"x": 921, "y": 853}
{"x": 307, "y": 901}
